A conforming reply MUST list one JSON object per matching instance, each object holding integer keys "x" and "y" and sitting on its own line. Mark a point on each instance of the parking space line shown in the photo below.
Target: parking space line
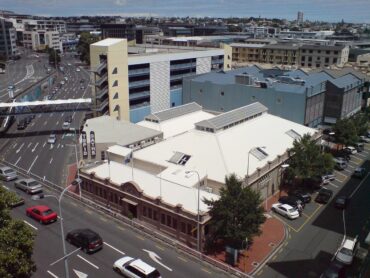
{"x": 349, "y": 165}
{"x": 341, "y": 175}
{"x": 82, "y": 258}
{"x": 332, "y": 184}
{"x": 52, "y": 274}
{"x": 30, "y": 225}
{"x": 308, "y": 218}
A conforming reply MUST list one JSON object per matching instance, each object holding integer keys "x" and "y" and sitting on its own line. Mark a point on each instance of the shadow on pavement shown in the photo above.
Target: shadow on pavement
{"x": 303, "y": 268}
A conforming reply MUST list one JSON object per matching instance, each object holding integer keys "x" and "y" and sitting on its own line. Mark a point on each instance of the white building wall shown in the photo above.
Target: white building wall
{"x": 159, "y": 86}
{"x": 203, "y": 65}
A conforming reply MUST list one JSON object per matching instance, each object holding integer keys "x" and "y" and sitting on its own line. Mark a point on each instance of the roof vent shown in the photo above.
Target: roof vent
{"x": 179, "y": 158}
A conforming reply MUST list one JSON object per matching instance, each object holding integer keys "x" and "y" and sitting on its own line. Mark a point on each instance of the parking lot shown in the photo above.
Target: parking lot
{"x": 341, "y": 177}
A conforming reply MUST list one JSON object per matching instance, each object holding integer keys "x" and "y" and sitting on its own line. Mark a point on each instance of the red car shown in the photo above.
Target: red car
{"x": 43, "y": 214}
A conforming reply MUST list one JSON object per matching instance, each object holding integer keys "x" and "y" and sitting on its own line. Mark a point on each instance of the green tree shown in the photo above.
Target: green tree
{"x": 53, "y": 56}
{"x": 16, "y": 242}
{"x": 236, "y": 215}
{"x": 345, "y": 132}
{"x": 308, "y": 161}
{"x": 361, "y": 124}
{"x": 83, "y": 46}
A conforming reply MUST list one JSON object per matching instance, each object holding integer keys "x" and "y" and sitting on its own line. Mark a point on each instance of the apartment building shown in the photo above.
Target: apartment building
{"x": 154, "y": 76}
{"x": 303, "y": 55}
{"x": 8, "y": 36}
{"x": 40, "y": 39}
{"x": 307, "y": 98}
{"x": 118, "y": 30}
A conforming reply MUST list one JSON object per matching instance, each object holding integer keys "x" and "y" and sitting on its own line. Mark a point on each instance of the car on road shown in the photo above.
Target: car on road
{"x": 66, "y": 78}
{"x": 285, "y": 210}
{"x": 68, "y": 119}
{"x": 7, "y": 173}
{"x": 82, "y": 87}
{"x": 359, "y": 172}
{"x": 301, "y": 195}
{"x": 21, "y": 125}
{"x": 291, "y": 200}
{"x": 52, "y": 139}
{"x": 88, "y": 240}
{"x": 335, "y": 270}
{"x": 324, "y": 195}
{"x": 78, "y": 69}
{"x": 66, "y": 126}
{"x": 341, "y": 202}
{"x": 69, "y": 64}
{"x": 62, "y": 82}
{"x": 43, "y": 214}
{"x": 28, "y": 185}
{"x": 364, "y": 139}
{"x": 134, "y": 268}
{"x": 348, "y": 251}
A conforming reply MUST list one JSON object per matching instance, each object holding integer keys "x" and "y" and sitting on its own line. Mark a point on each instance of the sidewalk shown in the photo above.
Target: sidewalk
{"x": 273, "y": 234}
{"x": 72, "y": 172}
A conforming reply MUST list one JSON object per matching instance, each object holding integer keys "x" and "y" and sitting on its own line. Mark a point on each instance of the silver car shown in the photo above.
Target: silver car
{"x": 7, "y": 174}
{"x": 28, "y": 185}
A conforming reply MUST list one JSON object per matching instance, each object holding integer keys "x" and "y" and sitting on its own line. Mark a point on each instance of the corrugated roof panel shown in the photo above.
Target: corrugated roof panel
{"x": 174, "y": 112}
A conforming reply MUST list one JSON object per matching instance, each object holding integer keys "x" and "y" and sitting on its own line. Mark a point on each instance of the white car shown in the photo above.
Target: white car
{"x": 364, "y": 139}
{"x": 285, "y": 210}
{"x": 66, "y": 126}
{"x": 347, "y": 252}
{"x": 78, "y": 69}
{"x": 134, "y": 268}
{"x": 351, "y": 149}
{"x": 52, "y": 139}
{"x": 69, "y": 64}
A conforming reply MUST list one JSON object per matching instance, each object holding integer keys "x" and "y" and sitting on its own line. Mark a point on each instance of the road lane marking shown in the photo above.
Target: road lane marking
{"x": 88, "y": 211}
{"x": 32, "y": 163}
{"x": 44, "y": 145}
{"x": 159, "y": 247}
{"x": 82, "y": 258}
{"x": 58, "y": 146}
{"x": 52, "y": 274}
{"x": 103, "y": 219}
{"x": 51, "y": 160}
{"x": 30, "y": 225}
{"x": 17, "y": 160}
{"x": 34, "y": 148}
{"x": 114, "y": 248}
{"x": 29, "y": 145}
{"x": 358, "y": 186}
{"x": 206, "y": 270}
{"x": 45, "y": 123}
{"x": 308, "y": 218}
{"x": 140, "y": 237}
{"x": 57, "y": 123}
{"x": 121, "y": 228}
{"x": 14, "y": 145}
{"x": 181, "y": 258}
{"x": 19, "y": 149}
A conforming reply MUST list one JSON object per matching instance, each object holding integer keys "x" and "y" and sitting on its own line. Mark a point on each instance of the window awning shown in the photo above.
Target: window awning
{"x": 129, "y": 201}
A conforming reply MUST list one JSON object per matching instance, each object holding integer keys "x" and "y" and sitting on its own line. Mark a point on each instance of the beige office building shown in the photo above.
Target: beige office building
{"x": 108, "y": 60}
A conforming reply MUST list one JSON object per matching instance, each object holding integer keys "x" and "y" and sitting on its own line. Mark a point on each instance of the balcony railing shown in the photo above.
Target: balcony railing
{"x": 101, "y": 80}
{"x": 136, "y": 72}
{"x": 102, "y": 92}
{"x": 134, "y": 84}
{"x": 101, "y": 106}
{"x": 100, "y": 67}
{"x": 183, "y": 66}
{"x": 139, "y": 95}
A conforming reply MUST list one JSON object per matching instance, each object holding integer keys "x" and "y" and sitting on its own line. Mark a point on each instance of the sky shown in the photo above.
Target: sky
{"x": 324, "y": 10}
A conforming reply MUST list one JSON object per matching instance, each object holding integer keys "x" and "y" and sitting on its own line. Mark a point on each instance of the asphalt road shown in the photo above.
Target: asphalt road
{"x": 119, "y": 240}
{"x": 314, "y": 239}
{"x": 28, "y": 148}
{"x": 23, "y": 73}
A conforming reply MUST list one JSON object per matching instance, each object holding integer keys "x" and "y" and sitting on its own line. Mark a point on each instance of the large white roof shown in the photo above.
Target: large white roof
{"x": 108, "y": 42}
{"x": 157, "y": 186}
{"x": 225, "y": 152}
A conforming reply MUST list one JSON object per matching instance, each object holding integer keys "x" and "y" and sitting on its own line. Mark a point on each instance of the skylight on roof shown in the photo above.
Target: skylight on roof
{"x": 179, "y": 158}
{"x": 259, "y": 153}
{"x": 294, "y": 134}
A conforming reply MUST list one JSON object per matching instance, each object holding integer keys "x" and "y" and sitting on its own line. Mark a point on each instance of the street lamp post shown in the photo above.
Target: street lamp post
{"x": 36, "y": 197}
{"x": 198, "y": 215}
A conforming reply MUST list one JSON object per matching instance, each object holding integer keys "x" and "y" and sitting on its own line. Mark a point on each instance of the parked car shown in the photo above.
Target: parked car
{"x": 350, "y": 149}
{"x": 341, "y": 202}
{"x": 347, "y": 252}
{"x": 285, "y": 210}
{"x": 301, "y": 195}
{"x": 28, "y": 120}
{"x": 359, "y": 172}
{"x": 291, "y": 200}
{"x": 7, "y": 173}
{"x": 335, "y": 270}
{"x": 364, "y": 139}
{"x": 28, "y": 185}
{"x": 68, "y": 119}
{"x": 359, "y": 147}
{"x": 326, "y": 178}
{"x": 43, "y": 214}
{"x": 21, "y": 125}
{"x": 52, "y": 139}
{"x": 133, "y": 268}
{"x": 88, "y": 240}
{"x": 324, "y": 195}
{"x": 340, "y": 164}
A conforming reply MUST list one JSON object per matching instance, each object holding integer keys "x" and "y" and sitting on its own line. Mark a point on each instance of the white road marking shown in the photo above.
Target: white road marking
{"x": 51, "y": 160}
{"x": 62, "y": 115}
{"x": 14, "y": 145}
{"x": 52, "y": 274}
{"x": 19, "y": 149}
{"x": 45, "y": 123}
{"x": 30, "y": 225}
{"x": 57, "y": 123}
{"x": 29, "y": 145}
{"x": 351, "y": 166}
{"x": 58, "y": 146}
{"x": 33, "y": 163}
{"x": 332, "y": 184}
{"x": 114, "y": 248}
{"x": 82, "y": 258}
{"x": 17, "y": 160}
{"x": 34, "y": 148}
{"x": 44, "y": 145}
